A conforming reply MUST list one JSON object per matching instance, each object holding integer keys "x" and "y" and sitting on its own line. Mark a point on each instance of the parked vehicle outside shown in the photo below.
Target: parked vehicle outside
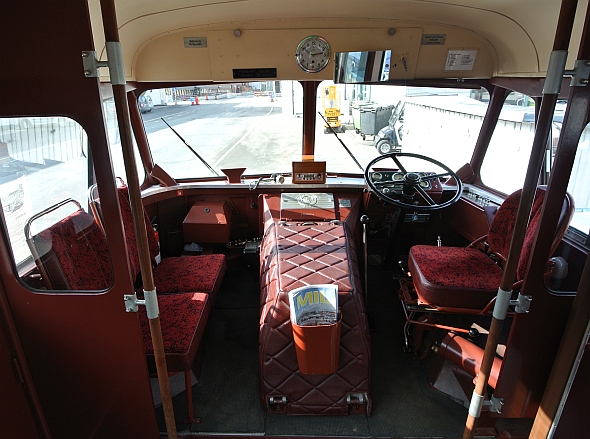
{"x": 145, "y": 104}
{"x": 389, "y": 138}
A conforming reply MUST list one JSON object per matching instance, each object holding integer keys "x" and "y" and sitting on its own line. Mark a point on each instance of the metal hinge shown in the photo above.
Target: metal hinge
{"x": 494, "y": 404}
{"x": 522, "y": 304}
{"x": 92, "y": 64}
{"x": 132, "y": 302}
{"x": 114, "y": 63}
{"x": 278, "y": 403}
{"x": 581, "y": 73}
{"x": 357, "y": 402}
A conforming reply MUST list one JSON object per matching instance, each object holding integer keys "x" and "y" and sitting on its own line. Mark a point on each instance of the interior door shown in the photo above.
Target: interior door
{"x": 17, "y": 410}
{"x": 83, "y": 350}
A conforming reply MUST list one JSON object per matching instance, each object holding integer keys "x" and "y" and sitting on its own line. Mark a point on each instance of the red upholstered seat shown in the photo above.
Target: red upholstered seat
{"x": 175, "y": 274}
{"x": 468, "y": 278}
{"x": 443, "y": 275}
{"x": 178, "y": 274}
{"x": 180, "y": 314}
{"x": 73, "y": 254}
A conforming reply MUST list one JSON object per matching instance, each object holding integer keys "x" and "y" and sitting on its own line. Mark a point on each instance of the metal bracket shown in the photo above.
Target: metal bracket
{"x": 132, "y": 302}
{"x": 277, "y": 403}
{"x": 92, "y": 64}
{"x": 356, "y": 402}
{"x": 581, "y": 73}
{"x": 495, "y": 404}
{"x": 522, "y": 304}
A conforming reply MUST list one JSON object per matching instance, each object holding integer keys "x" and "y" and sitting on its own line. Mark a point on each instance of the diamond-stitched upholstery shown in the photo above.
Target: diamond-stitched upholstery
{"x": 293, "y": 256}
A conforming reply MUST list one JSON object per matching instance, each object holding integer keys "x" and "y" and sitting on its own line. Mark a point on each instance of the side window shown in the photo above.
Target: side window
{"x": 115, "y": 139}
{"x": 510, "y": 146}
{"x": 44, "y": 161}
{"x": 578, "y": 184}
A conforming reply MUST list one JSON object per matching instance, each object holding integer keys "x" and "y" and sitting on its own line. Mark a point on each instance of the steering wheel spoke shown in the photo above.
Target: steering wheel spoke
{"x": 398, "y": 163}
{"x": 412, "y": 184}
{"x": 425, "y": 195}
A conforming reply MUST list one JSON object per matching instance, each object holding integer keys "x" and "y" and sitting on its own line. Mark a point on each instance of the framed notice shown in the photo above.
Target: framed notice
{"x": 460, "y": 60}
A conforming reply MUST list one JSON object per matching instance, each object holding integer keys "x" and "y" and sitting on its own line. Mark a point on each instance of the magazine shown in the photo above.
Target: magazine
{"x": 314, "y": 305}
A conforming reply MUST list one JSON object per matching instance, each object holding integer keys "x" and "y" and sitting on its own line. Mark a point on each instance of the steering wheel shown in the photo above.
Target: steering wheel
{"x": 402, "y": 194}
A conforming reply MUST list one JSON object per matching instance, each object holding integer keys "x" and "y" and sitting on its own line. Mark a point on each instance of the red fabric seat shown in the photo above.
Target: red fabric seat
{"x": 448, "y": 278}
{"x": 72, "y": 254}
{"x": 443, "y": 275}
{"x": 184, "y": 273}
{"x": 180, "y": 315}
{"x": 175, "y": 274}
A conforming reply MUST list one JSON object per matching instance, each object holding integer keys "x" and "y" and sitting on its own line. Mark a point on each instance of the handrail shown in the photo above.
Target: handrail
{"x": 45, "y": 212}
{"x": 116, "y": 71}
{"x": 567, "y": 15}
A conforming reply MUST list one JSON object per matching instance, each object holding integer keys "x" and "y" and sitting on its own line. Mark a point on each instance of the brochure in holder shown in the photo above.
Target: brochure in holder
{"x": 316, "y": 328}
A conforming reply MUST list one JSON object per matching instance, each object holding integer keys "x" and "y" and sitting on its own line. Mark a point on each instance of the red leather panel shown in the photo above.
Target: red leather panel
{"x": 293, "y": 256}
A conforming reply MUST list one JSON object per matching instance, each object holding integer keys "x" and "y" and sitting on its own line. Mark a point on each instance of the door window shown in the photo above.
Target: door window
{"x": 43, "y": 161}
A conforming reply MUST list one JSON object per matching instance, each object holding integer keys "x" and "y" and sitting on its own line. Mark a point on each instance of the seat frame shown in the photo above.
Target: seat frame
{"x": 413, "y": 306}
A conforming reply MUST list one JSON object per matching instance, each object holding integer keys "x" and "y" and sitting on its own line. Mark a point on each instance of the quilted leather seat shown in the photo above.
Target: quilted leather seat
{"x": 293, "y": 256}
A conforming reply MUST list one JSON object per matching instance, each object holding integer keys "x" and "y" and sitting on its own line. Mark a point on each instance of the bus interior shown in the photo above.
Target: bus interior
{"x": 294, "y": 219}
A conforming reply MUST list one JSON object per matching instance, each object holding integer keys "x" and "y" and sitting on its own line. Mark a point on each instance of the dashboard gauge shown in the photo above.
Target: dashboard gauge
{"x": 424, "y": 184}
{"x": 398, "y": 177}
{"x": 377, "y": 176}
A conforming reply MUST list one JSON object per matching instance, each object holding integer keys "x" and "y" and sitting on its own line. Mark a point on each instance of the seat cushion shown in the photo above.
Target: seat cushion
{"x": 183, "y": 318}
{"x": 190, "y": 273}
{"x": 453, "y": 277}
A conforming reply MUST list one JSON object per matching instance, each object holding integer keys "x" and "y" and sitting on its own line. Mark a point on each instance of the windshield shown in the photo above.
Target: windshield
{"x": 259, "y": 126}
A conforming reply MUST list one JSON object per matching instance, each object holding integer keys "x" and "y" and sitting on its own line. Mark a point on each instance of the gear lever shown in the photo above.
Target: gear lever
{"x": 364, "y": 222}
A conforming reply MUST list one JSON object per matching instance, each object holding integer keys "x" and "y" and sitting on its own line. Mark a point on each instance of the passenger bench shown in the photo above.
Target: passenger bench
{"x": 172, "y": 275}
{"x": 73, "y": 254}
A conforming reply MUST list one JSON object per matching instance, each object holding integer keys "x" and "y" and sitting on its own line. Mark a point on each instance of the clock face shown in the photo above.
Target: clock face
{"x": 313, "y": 54}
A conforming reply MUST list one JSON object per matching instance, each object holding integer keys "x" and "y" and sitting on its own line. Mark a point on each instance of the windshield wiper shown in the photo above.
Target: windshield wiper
{"x": 342, "y": 143}
{"x": 191, "y": 149}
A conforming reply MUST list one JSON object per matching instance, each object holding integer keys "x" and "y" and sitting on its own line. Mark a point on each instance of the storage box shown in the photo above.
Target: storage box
{"x": 317, "y": 348}
{"x": 207, "y": 221}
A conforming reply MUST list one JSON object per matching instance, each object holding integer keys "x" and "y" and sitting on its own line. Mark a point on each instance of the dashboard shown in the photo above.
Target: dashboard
{"x": 395, "y": 179}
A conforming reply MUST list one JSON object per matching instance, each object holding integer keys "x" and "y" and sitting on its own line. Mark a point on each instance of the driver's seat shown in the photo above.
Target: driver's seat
{"x": 466, "y": 280}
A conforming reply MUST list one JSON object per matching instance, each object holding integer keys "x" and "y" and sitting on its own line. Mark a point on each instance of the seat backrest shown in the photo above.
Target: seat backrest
{"x": 127, "y": 219}
{"x": 130, "y": 238}
{"x": 72, "y": 254}
{"x": 502, "y": 227}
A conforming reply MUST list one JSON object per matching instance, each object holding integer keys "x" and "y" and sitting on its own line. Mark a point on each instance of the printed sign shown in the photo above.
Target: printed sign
{"x": 195, "y": 42}
{"x": 460, "y": 60}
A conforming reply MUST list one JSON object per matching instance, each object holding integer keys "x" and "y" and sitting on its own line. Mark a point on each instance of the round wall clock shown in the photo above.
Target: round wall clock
{"x": 313, "y": 54}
